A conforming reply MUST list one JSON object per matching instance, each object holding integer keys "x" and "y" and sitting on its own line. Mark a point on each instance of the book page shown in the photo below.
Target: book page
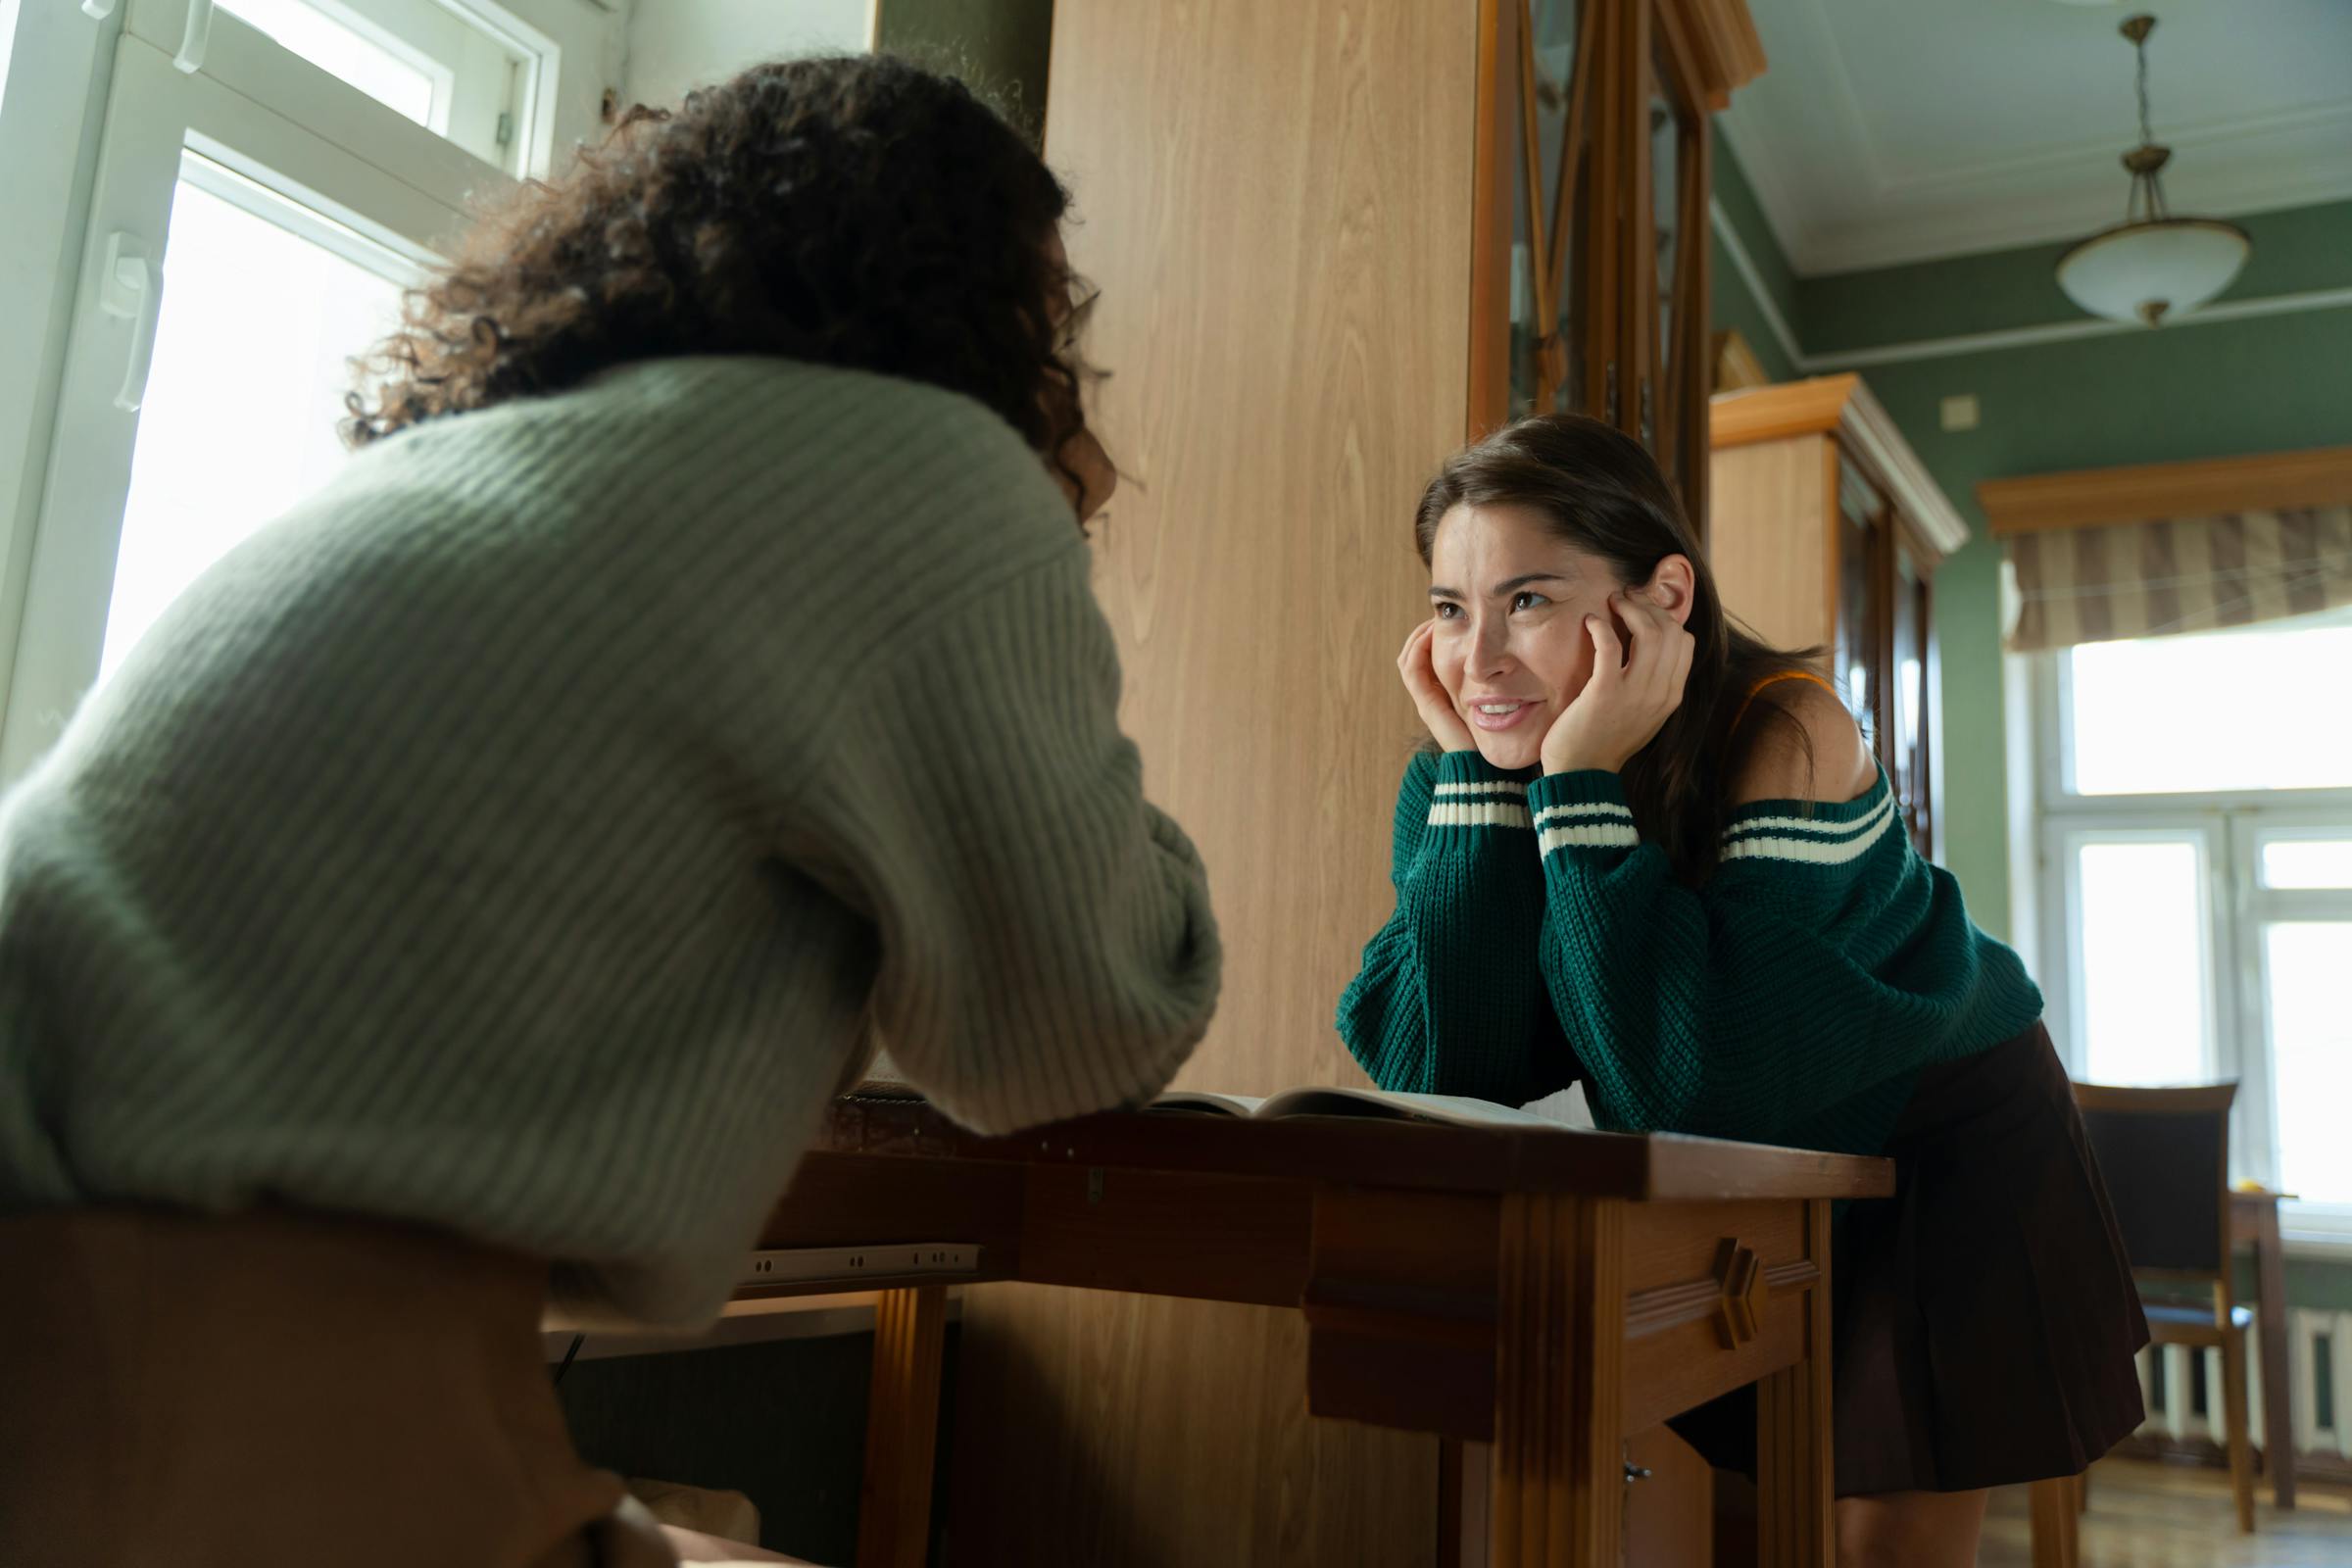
{"x": 1202, "y": 1100}
{"x": 1566, "y": 1110}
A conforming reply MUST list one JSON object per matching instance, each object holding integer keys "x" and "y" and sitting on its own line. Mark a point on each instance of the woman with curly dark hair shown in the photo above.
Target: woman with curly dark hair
{"x": 474, "y": 888}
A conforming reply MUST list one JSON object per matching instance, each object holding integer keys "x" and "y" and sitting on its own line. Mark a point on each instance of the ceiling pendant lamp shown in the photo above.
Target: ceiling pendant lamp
{"x": 2151, "y": 268}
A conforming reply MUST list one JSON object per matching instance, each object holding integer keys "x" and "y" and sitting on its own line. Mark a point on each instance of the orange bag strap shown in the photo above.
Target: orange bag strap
{"x": 1781, "y": 676}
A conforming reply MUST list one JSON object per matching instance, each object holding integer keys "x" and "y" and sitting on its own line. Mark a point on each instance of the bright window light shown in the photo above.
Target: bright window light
{"x": 2221, "y": 710}
{"x": 2144, "y": 962}
{"x": 2311, "y": 1056}
{"x": 337, "y": 47}
{"x": 2307, "y": 863}
{"x": 8, "y": 43}
{"x": 252, "y": 357}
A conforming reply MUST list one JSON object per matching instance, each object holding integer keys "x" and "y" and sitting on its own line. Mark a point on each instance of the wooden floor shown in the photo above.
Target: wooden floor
{"x": 2148, "y": 1515}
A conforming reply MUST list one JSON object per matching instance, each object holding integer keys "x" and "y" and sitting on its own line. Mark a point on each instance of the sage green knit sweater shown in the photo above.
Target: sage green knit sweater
{"x": 520, "y": 836}
{"x": 1792, "y": 1000}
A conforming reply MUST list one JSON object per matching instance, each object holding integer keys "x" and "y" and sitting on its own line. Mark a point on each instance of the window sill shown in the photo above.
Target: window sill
{"x": 2317, "y": 1231}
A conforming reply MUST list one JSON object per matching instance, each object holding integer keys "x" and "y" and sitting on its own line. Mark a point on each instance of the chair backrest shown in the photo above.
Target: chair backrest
{"x": 2164, "y": 1157}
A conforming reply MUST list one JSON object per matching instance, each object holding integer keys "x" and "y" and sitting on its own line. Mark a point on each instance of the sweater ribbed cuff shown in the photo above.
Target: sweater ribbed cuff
{"x": 1583, "y": 811}
{"x": 1471, "y": 793}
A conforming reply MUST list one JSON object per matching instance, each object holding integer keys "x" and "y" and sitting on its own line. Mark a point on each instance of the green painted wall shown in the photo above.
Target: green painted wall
{"x": 1731, "y": 305}
{"x": 2295, "y": 251}
{"x": 1737, "y": 199}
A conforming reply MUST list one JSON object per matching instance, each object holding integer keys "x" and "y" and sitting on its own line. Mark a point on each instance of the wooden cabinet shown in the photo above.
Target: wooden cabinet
{"x": 1589, "y": 244}
{"x": 1300, "y": 215}
{"x": 1826, "y": 533}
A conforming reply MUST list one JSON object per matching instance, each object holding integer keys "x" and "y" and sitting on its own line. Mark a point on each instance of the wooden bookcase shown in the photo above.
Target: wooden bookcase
{"x": 1590, "y": 236}
{"x": 1826, "y": 534}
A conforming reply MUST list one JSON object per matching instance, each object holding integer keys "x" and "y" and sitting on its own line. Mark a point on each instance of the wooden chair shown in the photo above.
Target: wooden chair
{"x": 2165, "y": 1155}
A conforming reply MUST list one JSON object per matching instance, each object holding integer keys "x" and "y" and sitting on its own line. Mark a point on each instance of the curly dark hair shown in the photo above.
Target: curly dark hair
{"x": 857, "y": 210}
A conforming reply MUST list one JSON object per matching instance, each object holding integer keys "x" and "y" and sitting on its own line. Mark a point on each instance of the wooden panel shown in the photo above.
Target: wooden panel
{"x": 843, "y": 1200}
{"x": 1277, "y": 214}
{"x": 1163, "y": 1434}
{"x": 1793, "y": 1454}
{"x": 1684, "y": 1366}
{"x": 1687, "y": 1167}
{"x": 1276, "y": 205}
{"x": 1728, "y": 53}
{"x": 1769, "y": 535}
{"x": 1670, "y": 1243}
{"x": 1670, "y": 1515}
{"x": 1845, "y": 404}
{"x": 1774, "y": 413}
{"x": 901, "y": 1429}
{"x": 1558, "y": 1477}
{"x": 2089, "y": 497}
{"x": 1488, "y": 403}
{"x": 1223, "y": 1238}
{"x": 1400, "y": 1309}
{"x": 1370, "y": 1151}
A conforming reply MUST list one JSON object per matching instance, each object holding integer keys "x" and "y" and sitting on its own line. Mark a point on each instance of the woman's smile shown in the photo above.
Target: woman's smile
{"x": 1498, "y": 713}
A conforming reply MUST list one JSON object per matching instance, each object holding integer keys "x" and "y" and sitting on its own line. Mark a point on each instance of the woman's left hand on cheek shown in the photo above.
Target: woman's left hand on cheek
{"x": 1629, "y": 698}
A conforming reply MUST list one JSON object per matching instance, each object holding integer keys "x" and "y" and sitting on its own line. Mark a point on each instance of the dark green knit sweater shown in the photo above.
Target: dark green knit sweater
{"x": 1792, "y": 1000}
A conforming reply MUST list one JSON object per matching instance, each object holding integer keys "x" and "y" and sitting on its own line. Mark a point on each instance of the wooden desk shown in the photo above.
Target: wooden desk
{"x": 2254, "y": 1223}
{"x": 1550, "y": 1292}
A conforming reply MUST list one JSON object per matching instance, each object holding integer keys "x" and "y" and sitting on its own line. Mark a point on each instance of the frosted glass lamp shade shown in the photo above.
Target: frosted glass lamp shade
{"x": 2155, "y": 270}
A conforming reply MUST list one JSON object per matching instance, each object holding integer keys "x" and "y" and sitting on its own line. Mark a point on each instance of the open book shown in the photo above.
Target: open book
{"x": 1565, "y": 1109}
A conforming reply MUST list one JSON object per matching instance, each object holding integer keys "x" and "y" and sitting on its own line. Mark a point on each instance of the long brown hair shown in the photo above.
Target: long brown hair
{"x": 1601, "y": 492}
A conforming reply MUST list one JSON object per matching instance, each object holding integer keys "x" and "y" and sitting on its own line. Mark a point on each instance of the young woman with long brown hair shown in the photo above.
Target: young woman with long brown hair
{"x": 1653, "y": 854}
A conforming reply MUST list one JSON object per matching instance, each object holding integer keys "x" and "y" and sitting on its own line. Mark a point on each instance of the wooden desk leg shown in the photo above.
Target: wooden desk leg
{"x": 2277, "y": 1425}
{"x": 902, "y": 1428}
{"x": 1559, "y": 1384}
{"x": 1465, "y": 1494}
{"x": 1796, "y": 1471}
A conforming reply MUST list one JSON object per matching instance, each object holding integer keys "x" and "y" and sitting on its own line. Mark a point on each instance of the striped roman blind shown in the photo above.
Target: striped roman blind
{"x": 2178, "y": 575}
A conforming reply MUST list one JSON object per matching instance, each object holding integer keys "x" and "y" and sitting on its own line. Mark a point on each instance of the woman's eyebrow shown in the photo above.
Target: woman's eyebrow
{"x": 1500, "y": 588}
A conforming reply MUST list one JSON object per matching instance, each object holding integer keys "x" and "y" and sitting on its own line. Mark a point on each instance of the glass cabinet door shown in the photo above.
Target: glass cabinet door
{"x": 1552, "y": 200}
{"x": 1671, "y": 375}
{"x": 1858, "y": 642}
{"x": 1907, "y": 768}
{"x": 1588, "y": 260}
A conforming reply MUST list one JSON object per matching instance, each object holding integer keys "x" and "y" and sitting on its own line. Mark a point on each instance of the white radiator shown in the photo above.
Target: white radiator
{"x": 2323, "y": 1344}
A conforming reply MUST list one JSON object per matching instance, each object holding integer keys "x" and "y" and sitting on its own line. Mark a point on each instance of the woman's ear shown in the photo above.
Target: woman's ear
{"x": 1670, "y": 588}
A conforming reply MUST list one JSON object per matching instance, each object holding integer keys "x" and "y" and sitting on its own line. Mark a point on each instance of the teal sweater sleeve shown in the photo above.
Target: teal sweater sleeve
{"x": 1793, "y": 998}
{"x": 1450, "y": 999}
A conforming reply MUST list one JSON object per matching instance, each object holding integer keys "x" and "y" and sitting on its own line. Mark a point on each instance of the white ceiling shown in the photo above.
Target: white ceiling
{"x": 1895, "y": 130}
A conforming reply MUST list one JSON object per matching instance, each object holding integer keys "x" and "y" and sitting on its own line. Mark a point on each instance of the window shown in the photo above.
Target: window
{"x": 2197, "y": 845}
{"x": 8, "y": 41}
{"x": 250, "y": 348}
{"x": 465, "y": 74}
{"x": 268, "y": 174}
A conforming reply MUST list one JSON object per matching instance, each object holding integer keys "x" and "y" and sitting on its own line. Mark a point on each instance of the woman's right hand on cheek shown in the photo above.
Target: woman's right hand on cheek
{"x": 1420, "y": 675}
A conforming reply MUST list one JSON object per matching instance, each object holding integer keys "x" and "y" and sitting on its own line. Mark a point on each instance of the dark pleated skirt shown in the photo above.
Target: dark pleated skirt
{"x": 1984, "y": 1316}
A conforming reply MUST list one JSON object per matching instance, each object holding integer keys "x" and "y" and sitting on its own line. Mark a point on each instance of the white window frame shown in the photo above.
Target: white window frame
{"x": 2228, "y": 827}
{"x": 127, "y": 112}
